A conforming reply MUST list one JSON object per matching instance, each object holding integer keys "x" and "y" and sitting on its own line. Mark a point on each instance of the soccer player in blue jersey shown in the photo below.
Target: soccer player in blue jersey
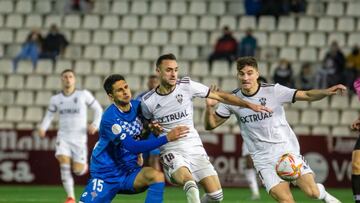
{"x": 114, "y": 164}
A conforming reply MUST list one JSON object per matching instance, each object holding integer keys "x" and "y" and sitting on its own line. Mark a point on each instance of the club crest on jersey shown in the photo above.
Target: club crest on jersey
{"x": 116, "y": 129}
{"x": 179, "y": 98}
{"x": 262, "y": 101}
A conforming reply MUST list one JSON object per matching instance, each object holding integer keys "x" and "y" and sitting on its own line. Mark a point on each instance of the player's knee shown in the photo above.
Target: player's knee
{"x": 285, "y": 197}
{"x": 355, "y": 165}
{"x": 216, "y": 196}
{"x": 157, "y": 176}
{"x": 79, "y": 171}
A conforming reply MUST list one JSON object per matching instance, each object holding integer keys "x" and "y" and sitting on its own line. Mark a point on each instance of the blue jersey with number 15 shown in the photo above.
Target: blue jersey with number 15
{"x": 110, "y": 159}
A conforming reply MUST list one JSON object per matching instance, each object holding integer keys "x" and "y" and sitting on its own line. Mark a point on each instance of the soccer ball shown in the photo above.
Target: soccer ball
{"x": 289, "y": 167}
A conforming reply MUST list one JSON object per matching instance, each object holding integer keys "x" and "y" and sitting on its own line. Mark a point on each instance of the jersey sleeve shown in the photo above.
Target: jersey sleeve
{"x": 118, "y": 135}
{"x": 49, "y": 116}
{"x": 145, "y": 110}
{"x": 89, "y": 98}
{"x": 223, "y": 111}
{"x": 284, "y": 94}
{"x": 95, "y": 106}
{"x": 198, "y": 90}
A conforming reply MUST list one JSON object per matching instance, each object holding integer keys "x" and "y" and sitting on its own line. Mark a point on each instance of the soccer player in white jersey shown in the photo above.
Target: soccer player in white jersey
{"x": 71, "y": 142}
{"x": 185, "y": 161}
{"x": 268, "y": 135}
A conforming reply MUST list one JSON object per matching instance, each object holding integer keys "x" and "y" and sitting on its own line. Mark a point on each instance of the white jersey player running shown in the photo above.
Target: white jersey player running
{"x": 268, "y": 135}
{"x": 71, "y": 141}
{"x": 185, "y": 161}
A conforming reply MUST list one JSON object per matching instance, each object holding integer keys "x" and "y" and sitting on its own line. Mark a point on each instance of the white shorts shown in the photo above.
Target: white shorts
{"x": 268, "y": 176}
{"x": 198, "y": 165}
{"x": 76, "y": 150}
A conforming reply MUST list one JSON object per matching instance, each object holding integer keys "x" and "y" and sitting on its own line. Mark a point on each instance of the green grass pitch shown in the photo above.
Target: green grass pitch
{"x": 55, "y": 194}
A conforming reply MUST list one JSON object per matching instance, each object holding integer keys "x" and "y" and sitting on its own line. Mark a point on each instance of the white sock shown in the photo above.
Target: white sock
{"x": 192, "y": 192}
{"x": 321, "y": 191}
{"x": 67, "y": 180}
{"x": 216, "y": 196}
{"x": 250, "y": 176}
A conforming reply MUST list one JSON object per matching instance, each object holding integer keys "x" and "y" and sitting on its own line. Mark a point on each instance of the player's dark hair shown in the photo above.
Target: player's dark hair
{"x": 66, "y": 71}
{"x": 110, "y": 80}
{"x": 165, "y": 57}
{"x": 246, "y": 61}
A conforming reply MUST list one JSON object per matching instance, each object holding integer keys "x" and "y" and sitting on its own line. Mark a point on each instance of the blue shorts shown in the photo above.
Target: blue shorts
{"x": 103, "y": 191}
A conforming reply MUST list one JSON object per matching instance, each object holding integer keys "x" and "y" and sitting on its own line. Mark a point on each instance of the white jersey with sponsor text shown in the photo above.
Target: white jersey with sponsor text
{"x": 265, "y": 134}
{"x": 176, "y": 108}
{"x": 72, "y": 110}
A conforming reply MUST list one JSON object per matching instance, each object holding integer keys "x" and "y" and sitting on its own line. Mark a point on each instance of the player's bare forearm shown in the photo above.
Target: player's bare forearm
{"x": 210, "y": 122}
{"x": 318, "y": 94}
{"x": 226, "y": 98}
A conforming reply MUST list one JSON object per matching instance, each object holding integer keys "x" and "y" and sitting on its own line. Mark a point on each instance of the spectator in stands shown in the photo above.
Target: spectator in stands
{"x": 332, "y": 68}
{"x": 252, "y": 7}
{"x": 152, "y": 157}
{"x": 293, "y": 6}
{"x": 31, "y": 49}
{"x": 306, "y": 78}
{"x": 297, "y": 6}
{"x": 247, "y": 46}
{"x": 54, "y": 44}
{"x": 225, "y": 48}
{"x": 352, "y": 67}
{"x": 79, "y": 5}
{"x": 284, "y": 74}
{"x": 272, "y": 7}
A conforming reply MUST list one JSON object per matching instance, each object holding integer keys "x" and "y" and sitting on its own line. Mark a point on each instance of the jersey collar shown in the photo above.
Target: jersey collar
{"x": 250, "y": 95}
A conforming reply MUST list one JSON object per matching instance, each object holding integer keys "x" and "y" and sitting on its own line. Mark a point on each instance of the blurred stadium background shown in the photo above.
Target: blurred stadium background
{"x": 126, "y": 36}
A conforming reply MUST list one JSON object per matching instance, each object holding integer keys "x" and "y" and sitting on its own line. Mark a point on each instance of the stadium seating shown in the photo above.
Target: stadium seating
{"x": 126, "y": 36}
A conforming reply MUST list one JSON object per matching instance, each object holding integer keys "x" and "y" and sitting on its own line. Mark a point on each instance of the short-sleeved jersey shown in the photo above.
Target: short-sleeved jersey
{"x": 109, "y": 159}
{"x": 176, "y": 108}
{"x": 72, "y": 110}
{"x": 258, "y": 128}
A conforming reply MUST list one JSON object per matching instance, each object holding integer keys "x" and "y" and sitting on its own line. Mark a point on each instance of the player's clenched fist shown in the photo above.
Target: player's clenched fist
{"x": 177, "y": 133}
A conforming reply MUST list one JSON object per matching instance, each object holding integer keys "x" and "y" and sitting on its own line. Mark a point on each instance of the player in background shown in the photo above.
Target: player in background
{"x": 268, "y": 135}
{"x": 114, "y": 166}
{"x": 355, "y": 177}
{"x": 185, "y": 161}
{"x": 151, "y": 158}
{"x": 71, "y": 142}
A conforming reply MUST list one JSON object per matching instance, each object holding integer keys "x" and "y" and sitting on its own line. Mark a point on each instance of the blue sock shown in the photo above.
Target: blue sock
{"x": 155, "y": 193}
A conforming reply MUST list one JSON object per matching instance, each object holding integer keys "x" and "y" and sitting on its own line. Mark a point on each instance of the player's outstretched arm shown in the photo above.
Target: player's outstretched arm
{"x": 141, "y": 146}
{"x": 212, "y": 120}
{"x": 318, "y": 94}
{"x": 177, "y": 133}
{"x": 236, "y": 101}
